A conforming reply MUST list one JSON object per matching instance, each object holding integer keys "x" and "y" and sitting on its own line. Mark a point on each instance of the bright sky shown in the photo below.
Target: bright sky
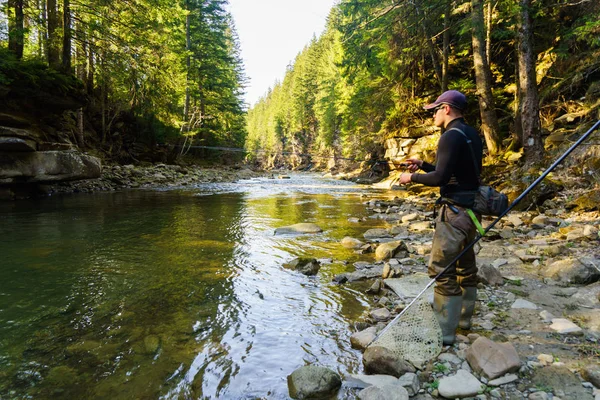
{"x": 272, "y": 33}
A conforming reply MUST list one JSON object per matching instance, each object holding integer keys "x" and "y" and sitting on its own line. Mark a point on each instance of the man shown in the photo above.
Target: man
{"x": 454, "y": 172}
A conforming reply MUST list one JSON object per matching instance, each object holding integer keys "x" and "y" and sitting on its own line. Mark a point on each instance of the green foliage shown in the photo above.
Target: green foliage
{"x": 34, "y": 76}
{"x": 367, "y": 77}
{"x": 132, "y": 56}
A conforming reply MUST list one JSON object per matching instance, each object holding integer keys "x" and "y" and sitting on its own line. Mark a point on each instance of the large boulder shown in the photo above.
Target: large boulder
{"x": 380, "y": 360}
{"x": 306, "y": 266}
{"x": 47, "y": 166}
{"x": 388, "y": 250}
{"x": 311, "y": 381}
{"x": 572, "y": 270}
{"x": 299, "y": 228}
{"x": 492, "y": 359}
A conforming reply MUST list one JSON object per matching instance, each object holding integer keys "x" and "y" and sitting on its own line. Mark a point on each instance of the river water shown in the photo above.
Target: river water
{"x": 176, "y": 293}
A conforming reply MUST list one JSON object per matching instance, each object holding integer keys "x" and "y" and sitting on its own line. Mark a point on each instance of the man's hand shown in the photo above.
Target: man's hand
{"x": 404, "y": 178}
{"x": 413, "y": 164}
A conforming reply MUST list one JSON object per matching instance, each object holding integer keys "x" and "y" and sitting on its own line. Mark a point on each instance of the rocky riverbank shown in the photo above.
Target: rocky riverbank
{"x": 116, "y": 177}
{"x": 536, "y": 329}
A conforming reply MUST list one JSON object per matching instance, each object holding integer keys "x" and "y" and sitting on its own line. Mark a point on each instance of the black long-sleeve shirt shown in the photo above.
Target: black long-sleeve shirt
{"x": 454, "y": 170}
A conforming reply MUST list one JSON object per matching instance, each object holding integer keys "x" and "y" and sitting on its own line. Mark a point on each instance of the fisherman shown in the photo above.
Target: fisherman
{"x": 455, "y": 291}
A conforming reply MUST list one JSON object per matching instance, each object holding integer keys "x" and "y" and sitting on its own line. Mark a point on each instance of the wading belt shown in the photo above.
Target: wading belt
{"x": 444, "y": 202}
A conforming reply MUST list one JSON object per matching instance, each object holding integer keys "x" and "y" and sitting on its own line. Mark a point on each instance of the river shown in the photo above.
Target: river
{"x": 176, "y": 293}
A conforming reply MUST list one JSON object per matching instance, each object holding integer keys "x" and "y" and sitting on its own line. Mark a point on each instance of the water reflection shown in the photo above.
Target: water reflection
{"x": 174, "y": 294}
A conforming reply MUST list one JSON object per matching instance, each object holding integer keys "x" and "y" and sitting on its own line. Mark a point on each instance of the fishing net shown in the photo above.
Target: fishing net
{"x": 416, "y": 335}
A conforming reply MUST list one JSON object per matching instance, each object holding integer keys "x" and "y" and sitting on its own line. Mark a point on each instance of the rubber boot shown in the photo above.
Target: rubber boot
{"x": 447, "y": 310}
{"x": 469, "y": 297}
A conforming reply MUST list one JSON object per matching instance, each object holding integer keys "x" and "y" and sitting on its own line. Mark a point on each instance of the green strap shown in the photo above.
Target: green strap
{"x": 475, "y": 221}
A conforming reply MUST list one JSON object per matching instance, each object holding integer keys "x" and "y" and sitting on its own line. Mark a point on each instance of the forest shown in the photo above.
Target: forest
{"x": 144, "y": 72}
{"x": 150, "y": 73}
{"x": 523, "y": 66}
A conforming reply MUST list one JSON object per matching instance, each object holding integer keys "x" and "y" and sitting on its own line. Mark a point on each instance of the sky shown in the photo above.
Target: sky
{"x": 272, "y": 33}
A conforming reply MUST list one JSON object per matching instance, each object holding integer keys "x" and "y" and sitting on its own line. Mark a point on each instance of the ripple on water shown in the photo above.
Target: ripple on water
{"x": 177, "y": 293}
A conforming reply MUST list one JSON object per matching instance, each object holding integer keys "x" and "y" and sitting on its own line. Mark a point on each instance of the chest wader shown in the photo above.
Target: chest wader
{"x": 449, "y": 239}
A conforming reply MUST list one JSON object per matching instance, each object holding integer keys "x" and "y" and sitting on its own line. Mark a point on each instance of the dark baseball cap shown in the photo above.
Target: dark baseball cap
{"x": 452, "y": 97}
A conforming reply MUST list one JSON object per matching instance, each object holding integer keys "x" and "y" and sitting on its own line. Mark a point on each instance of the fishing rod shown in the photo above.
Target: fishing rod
{"x": 481, "y": 235}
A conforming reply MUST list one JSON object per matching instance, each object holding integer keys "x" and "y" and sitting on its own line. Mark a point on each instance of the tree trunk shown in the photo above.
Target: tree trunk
{"x": 80, "y": 135}
{"x": 90, "y": 68}
{"x": 66, "y": 48}
{"x": 41, "y": 32}
{"x": 53, "y": 45}
{"x": 188, "y": 47}
{"x": 528, "y": 101}
{"x": 16, "y": 31}
{"x": 488, "y": 32}
{"x": 446, "y": 41}
{"x": 483, "y": 77}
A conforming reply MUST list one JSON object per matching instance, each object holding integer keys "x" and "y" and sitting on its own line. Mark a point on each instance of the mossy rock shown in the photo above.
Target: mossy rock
{"x": 586, "y": 202}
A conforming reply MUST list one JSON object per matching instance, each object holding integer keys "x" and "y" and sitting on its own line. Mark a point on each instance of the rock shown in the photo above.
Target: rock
{"x": 410, "y": 217}
{"x": 380, "y": 314}
{"x": 540, "y": 220}
{"x": 523, "y": 304}
{"x": 312, "y": 381}
{"x": 364, "y": 381}
{"x": 489, "y": 275}
{"x": 565, "y": 327}
{"x": 410, "y": 382}
{"x": 514, "y": 220}
{"x": 463, "y": 384}
{"x": 492, "y": 359}
{"x": 538, "y": 396}
{"x": 47, "y": 166}
{"x": 560, "y": 379}
{"x": 449, "y": 357}
{"x": 306, "y": 266}
{"x": 545, "y": 359}
{"x": 151, "y": 344}
{"x": 546, "y": 316}
{"x": 389, "y": 250}
{"x": 591, "y": 373}
{"x": 387, "y": 392}
{"x": 351, "y": 243}
{"x": 298, "y": 228}
{"x": 379, "y": 360}
{"x": 503, "y": 380}
{"x": 10, "y": 144}
{"x": 365, "y": 249}
{"x": 589, "y": 295}
{"x": 420, "y": 226}
{"x": 376, "y": 286}
{"x": 377, "y": 233}
{"x": 526, "y": 257}
{"x": 590, "y": 231}
{"x": 571, "y": 270}
{"x": 360, "y": 340}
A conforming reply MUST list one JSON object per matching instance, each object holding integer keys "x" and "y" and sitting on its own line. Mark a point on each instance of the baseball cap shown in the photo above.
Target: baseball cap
{"x": 452, "y": 97}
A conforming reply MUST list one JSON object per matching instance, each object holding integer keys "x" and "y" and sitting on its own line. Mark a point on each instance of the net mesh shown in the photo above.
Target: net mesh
{"x": 416, "y": 335}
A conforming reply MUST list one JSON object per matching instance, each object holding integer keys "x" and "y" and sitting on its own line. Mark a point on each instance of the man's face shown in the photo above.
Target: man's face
{"x": 438, "y": 115}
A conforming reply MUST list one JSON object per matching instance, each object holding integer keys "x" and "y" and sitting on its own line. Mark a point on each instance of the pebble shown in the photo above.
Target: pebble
{"x": 565, "y": 327}
{"x": 524, "y": 304}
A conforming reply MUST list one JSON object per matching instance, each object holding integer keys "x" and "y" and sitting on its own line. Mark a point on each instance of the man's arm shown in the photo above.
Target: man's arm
{"x": 447, "y": 155}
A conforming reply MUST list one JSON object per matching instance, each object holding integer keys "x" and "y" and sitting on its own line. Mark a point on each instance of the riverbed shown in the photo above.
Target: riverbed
{"x": 178, "y": 292}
